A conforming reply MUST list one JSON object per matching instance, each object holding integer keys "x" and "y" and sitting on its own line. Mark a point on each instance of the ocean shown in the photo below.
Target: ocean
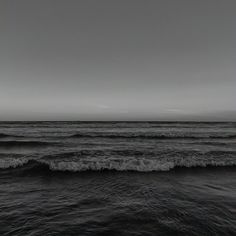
{"x": 118, "y": 178}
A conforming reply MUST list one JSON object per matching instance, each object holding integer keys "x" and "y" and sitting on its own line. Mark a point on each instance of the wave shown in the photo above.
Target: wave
{"x": 6, "y": 163}
{"x": 137, "y": 154}
{"x": 230, "y": 136}
{"x": 134, "y": 165}
{"x": 150, "y": 136}
{"x": 90, "y": 153}
{"x": 213, "y": 158}
{"x": 127, "y": 135}
{"x": 9, "y": 144}
{"x": 3, "y": 135}
{"x": 139, "y": 166}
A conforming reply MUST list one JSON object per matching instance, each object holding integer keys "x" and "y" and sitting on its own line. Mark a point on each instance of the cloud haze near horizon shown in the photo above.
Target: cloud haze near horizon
{"x": 117, "y": 60}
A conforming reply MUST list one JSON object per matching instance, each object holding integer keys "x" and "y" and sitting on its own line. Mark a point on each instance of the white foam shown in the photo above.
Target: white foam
{"x": 132, "y": 165}
{"x": 12, "y": 162}
{"x": 128, "y": 164}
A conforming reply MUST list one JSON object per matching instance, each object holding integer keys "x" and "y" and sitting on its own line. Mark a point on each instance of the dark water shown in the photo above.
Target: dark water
{"x": 117, "y": 178}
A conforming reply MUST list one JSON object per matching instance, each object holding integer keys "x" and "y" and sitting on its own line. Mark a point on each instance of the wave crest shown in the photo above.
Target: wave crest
{"x": 129, "y": 164}
{"x": 6, "y": 163}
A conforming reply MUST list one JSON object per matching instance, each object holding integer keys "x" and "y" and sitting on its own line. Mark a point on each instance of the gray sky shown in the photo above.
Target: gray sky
{"x": 117, "y": 60}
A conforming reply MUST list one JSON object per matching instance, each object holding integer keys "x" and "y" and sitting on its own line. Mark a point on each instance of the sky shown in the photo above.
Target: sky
{"x": 118, "y": 60}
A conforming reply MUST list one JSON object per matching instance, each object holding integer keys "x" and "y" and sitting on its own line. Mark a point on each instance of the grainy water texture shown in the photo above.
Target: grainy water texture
{"x": 117, "y": 178}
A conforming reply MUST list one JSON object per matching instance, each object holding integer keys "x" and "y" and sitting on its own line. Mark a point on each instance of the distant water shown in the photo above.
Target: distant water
{"x": 117, "y": 178}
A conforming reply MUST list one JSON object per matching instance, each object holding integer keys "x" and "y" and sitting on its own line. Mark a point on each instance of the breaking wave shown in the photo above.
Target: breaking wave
{"x": 130, "y": 165}
{"x": 126, "y": 164}
{"x": 12, "y": 162}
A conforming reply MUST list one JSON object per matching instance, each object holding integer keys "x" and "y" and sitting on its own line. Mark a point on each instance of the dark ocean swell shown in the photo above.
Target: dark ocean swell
{"x": 117, "y": 178}
{"x": 10, "y": 144}
{"x": 3, "y": 135}
{"x": 148, "y": 136}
